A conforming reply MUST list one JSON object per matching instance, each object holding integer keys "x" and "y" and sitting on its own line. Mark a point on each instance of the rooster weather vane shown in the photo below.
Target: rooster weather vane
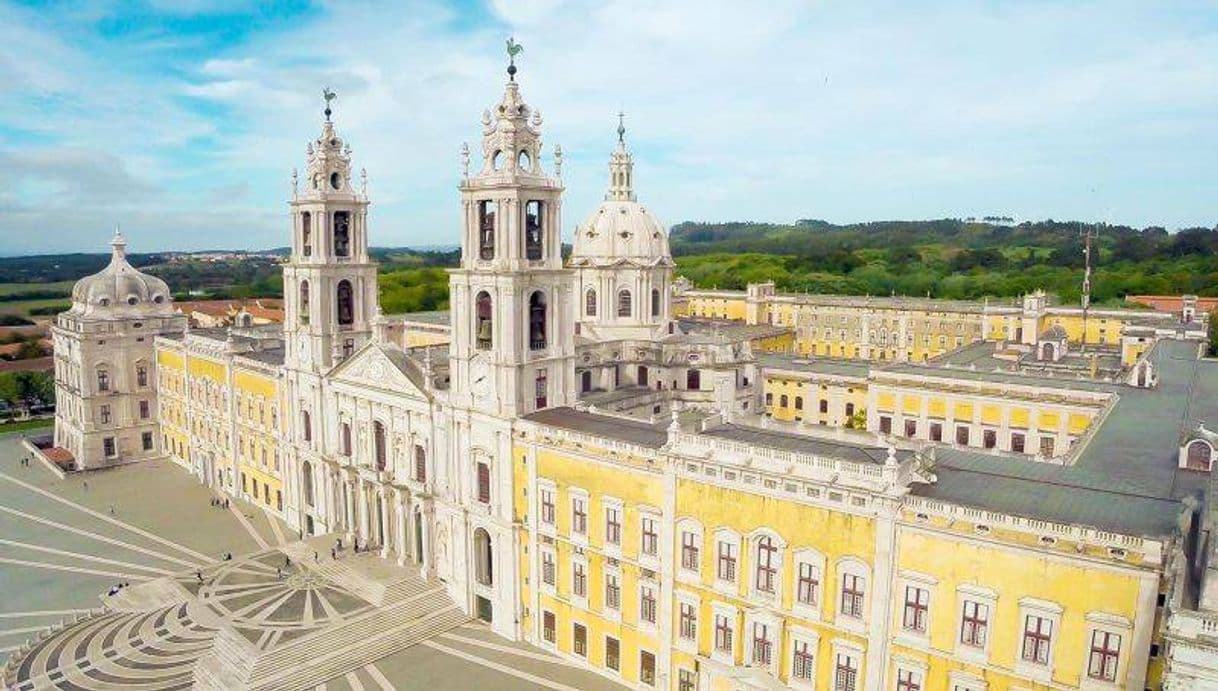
{"x": 513, "y": 49}
{"x": 328, "y": 95}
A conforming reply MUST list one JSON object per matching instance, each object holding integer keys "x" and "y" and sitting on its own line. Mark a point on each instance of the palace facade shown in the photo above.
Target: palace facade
{"x": 684, "y": 489}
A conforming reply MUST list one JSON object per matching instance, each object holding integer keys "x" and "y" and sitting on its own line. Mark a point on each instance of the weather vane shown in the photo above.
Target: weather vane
{"x": 513, "y": 49}
{"x": 328, "y": 95}
{"x": 621, "y": 126}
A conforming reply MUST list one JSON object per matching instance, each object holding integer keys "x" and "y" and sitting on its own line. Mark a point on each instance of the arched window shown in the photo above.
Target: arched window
{"x": 342, "y": 233}
{"x": 537, "y": 321}
{"x": 378, "y": 444}
{"x": 623, "y": 303}
{"x": 767, "y": 564}
{"x": 585, "y": 381}
{"x": 345, "y": 302}
{"x": 306, "y": 480}
{"x": 533, "y": 234}
{"x": 103, "y": 379}
{"x": 782, "y": 401}
{"x": 484, "y": 321}
{"x": 655, "y": 302}
{"x": 1198, "y": 456}
{"x": 486, "y": 230}
{"x": 306, "y": 426}
{"x": 590, "y": 303}
{"x": 344, "y": 438}
{"x": 483, "y": 569}
{"x": 304, "y": 302}
{"x": 306, "y": 234}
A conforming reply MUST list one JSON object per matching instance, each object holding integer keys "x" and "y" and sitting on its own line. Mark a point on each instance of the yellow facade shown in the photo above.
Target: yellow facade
{"x": 258, "y": 453}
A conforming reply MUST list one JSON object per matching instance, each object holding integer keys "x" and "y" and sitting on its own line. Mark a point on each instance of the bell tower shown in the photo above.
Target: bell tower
{"x": 512, "y": 319}
{"x": 329, "y": 283}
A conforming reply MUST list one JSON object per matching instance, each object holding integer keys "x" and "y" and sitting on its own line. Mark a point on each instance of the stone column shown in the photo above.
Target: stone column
{"x": 402, "y": 538}
{"x": 386, "y": 532}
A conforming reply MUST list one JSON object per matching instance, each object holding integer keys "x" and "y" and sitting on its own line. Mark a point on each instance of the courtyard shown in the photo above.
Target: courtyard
{"x": 64, "y": 544}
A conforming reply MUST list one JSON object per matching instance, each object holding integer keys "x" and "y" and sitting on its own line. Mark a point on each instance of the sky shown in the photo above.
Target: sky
{"x": 182, "y": 121}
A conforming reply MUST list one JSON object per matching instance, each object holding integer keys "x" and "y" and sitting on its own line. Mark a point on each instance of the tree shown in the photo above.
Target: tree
{"x": 1213, "y": 332}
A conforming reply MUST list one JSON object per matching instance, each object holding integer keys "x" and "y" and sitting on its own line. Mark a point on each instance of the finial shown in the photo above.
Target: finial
{"x": 295, "y": 181}
{"x": 464, "y": 160}
{"x": 328, "y": 95}
{"x": 513, "y": 49}
{"x": 557, "y": 160}
{"x": 363, "y": 185}
{"x": 621, "y": 127}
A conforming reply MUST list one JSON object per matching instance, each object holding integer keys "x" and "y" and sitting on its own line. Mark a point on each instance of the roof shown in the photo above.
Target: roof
{"x": 430, "y": 317}
{"x": 609, "y": 426}
{"x": 839, "y": 367}
{"x": 1126, "y": 479}
{"x": 271, "y": 356}
{"x": 789, "y": 441}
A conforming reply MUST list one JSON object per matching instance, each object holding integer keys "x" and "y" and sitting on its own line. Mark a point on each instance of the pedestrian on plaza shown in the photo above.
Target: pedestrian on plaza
{"x": 315, "y": 559}
{"x": 199, "y": 575}
{"x": 286, "y": 561}
{"x": 112, "y": 509}
{"x": 278, "y": 574}
{"x": 333, "y": 554}
{"x": 86, "y": 485}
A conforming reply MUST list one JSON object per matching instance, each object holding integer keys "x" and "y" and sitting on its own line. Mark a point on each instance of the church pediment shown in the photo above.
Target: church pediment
{"x": 381, "y": 367}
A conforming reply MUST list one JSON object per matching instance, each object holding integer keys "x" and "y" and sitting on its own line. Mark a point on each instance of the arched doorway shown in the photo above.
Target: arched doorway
{"x": 1198, "y": 457}
{"x": 483, "y": 561}
{"x": 418, "y": 537}
{"x": 1046, "y": 351}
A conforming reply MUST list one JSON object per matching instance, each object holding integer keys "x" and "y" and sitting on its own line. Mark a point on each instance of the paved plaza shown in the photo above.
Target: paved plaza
{"x": 272, "y": 609}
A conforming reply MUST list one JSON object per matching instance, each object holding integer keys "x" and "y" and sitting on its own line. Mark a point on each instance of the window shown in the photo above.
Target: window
{"x": 146, "y": 439}
{"x": 908, "y": 680}
{"x": 548, "y": 626}
{"x": 580, "y": 636}
{"x": 651, "y": 541}
{"x": 344, "y": 435}
{"x": 808, "y": 584}
{"x": 769, "y": 398}
{"x": 540, "y": 389}
{"x": 689, "y": 550}
{"x": 1017, "y": 442}
{"x": 642, "y": 375}
{"x": 104, "y": 414}
{"x": 547, "y": 506}
{"x": 723, "y": 633}
{"x": 693, "y": 380}
{"x": 687, "y": 680}
{"x": 145, "y": 410}
{"x": 799, "y": 402}
{"x": 342, "y": 233}
{"x": 378, "y": 444}
{"x": 802, "y": 663}
{"x": 486, "y": 230}
{"x": 989, "y": 438}
{"x": 420, "y": 463}
{"x": 917, "y": 602}
{"x": 306, "y": 427}
{"x": 613, "y": 591}
{"x": 304, "y": 302}
{"x": 725, "y": 566}
{"x": 911, "y": 428}
{"x": 613, "y": 525}
{"x": 782, "y": 401}
{"x": 579, "y": 579}
{"x": 767, "y": 566}
{"x": 623, "y": 303}
{"x": 103, "y": 379}
{"x": 579, "y": 515}
{"x": 483, "y": 321}
{"x": 763, "y": 648}
{"x": 885, "y": 424}
{"x": 647, "y": 603}
{"x": 483, "y": 557}
{"x": 974, "y": 621}
{"x": 688, "y": 621}
{"x": 533, "y": 210}
{"x": 141, "y": 375}
{"x": 484, "y": 483}
{"x": 613, "y": 653}
{"x": 936, "y": 431}
{"x": 1105, "y": 652}
{"x": 824, "y": 405}
{"x": 962, "y": 434}
{"x": 345, "y": 302}
{"x": 852, "y": 595}
{"x": 1037, "y": 637}
{"x": 548, "y": 569}
{"x": 647, "y": 668}
{"x": 108, "y": 448}
{"x": 1046, "y": 446}
{"x": 306, "y": 233}
{"x": 537, "y": 321}
{"x": 655, "y": 302}
{"x": 845, "y": 672}
{"x": 590, "y": 303}
{"x": 849, "y": 410}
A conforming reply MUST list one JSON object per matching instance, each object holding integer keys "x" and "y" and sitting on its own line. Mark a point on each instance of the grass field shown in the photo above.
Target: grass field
{"x": 23, "y": 307}
{"x": 9, "y": 288}
{"x": 24, "y": 425}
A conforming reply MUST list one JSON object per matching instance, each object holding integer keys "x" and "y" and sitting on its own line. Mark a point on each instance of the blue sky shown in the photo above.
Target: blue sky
{"x": 183, "y": 120}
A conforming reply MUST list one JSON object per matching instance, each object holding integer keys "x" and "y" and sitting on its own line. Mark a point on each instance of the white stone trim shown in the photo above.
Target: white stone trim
{"x": 1051, "y": 611}
{"x": 851, "y": 565}
{"x": 812, "y": 556}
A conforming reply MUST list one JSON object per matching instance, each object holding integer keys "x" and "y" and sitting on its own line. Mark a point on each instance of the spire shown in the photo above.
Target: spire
{"x": 118, "y": 246}
{"x": 621, "y": 167}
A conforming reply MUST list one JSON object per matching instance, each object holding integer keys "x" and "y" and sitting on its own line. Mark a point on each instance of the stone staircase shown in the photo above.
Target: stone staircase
{"x": 339, "y": 572}
{"x": 227, "y": 664}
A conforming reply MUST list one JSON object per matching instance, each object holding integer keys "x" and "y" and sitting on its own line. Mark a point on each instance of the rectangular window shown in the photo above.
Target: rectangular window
{"x": 541, "y": 389}
{"x": 105, "y": 414}
{"x": 647, "y": 604}
{"x": 1017, "y": 442}
{"x": 989, "y": 438}
{"x": 762, "y": 646}
{"x": 1105, "y": 652}
{"x": 613, "y": 653}
{"x": 852, "y": 596}
{"x": 1037, "y": 637}
{"x": 647, "y": 668}
{"x": 548, "y": 569}
{"x": 1046, "y": 446}
{"x": 809, "y": 582}
{"x": 146, "y": 438}
{"x": 802, "y": 664}
{"x": 580, "y": 636}
{"x": 579, "y": 516}
{"x": 689, "y": 551}
{"x": 911, "y": 428}
{"x": 108, "y": 447}
{"x": 486, "y": 230}
{"x": 145, "y": 410}
{"x": 547, "y": 506}
{"x": 725, "y": 569}
{"x": 613, "y": 525}
{"x": 723, "y": 633}
{"x": 613, "y": 591}
{"x": 962, "y": 436}
{"x": 548, "y": 627}
{"x": 579, "y": 579}
{"x": 688, "y": 620}
{"x": 936, "y": 431}
{"x": 484, "y": 483}
{"x": 908, "y": 681}
{"x": 420, "y": 464}
{"x": 974, "y": 621}
{"x": 845, "y": 673}
{"x": 687, "y": 680}
{"x": 917, "y": 602}
{"x": 651, "y": 540}
{"x": 885, "y": 424}
{"x": 824, "y": 405}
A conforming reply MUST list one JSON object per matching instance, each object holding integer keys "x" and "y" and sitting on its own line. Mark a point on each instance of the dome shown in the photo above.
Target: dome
{"x": 120, "y": 289}
{"x": 620, "y": 230}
